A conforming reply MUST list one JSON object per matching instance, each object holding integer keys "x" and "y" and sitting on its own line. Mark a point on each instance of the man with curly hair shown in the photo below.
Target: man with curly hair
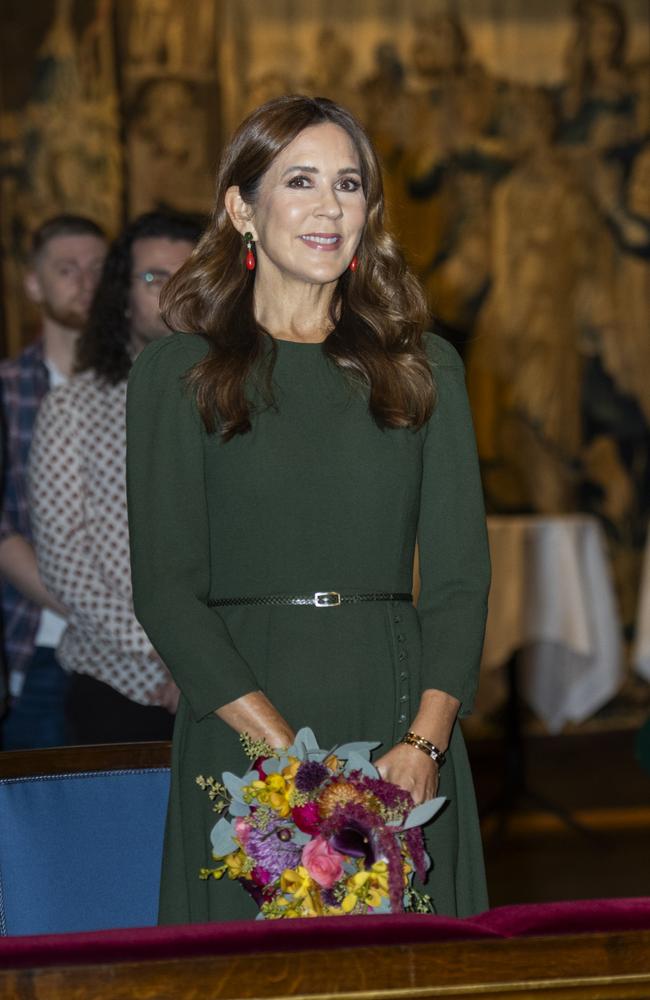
{"x": 66, "y": 259}
{"x": 119, "y": 688}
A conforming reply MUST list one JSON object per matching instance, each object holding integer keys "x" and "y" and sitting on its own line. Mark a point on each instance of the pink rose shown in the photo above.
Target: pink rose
{"x": 306, "y": 817}
{"x": 322, "y": 862}
{"x": 243, "y": 831}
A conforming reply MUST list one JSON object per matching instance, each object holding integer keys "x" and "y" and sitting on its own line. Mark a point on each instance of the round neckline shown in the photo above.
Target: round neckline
{"x": 299, "y": 343}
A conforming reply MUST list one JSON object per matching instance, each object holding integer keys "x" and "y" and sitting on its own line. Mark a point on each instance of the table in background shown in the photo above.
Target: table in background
{"x": 552, "y": 603}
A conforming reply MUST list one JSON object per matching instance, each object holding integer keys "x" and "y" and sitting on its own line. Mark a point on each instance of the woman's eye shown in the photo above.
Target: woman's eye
{"x": 299, "y": 181}
{"x": 349, "y": 184}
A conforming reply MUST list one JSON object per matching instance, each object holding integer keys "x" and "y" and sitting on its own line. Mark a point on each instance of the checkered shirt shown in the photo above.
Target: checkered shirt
{"x": 24, "y": 382}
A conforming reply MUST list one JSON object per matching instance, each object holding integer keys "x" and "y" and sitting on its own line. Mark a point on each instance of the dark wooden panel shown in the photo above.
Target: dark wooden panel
{"x": 105, "y": 757}
{"x": 604, "y": 966}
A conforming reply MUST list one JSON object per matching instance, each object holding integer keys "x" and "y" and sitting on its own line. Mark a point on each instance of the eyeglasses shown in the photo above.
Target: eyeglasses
{"x": 153, "y": 281}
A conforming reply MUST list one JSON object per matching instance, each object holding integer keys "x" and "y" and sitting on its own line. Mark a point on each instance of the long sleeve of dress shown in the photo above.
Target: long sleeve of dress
{"x": 170, "y": 530}
{"x": 66, "y": 530}
{"x": 452, "y": 538}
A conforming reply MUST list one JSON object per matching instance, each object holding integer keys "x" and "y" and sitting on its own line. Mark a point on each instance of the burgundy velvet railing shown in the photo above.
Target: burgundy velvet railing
{"x": 154, "y": 943}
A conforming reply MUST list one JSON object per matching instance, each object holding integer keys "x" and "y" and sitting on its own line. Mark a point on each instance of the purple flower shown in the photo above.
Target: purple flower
{"x": 273, "y": 848}
{"x": 354, "y": 839}
{"x": 330, "y": 898}
{"x": 310, "y": 775}
{"x": 415, "y": 847}
{"x": 384, "y": 842}
{"x": 350, "y": 814}
{"x": 390, "y": 795}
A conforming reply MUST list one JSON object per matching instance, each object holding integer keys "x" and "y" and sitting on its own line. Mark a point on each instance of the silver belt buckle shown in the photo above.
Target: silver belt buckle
{"x": 327, "y": 599}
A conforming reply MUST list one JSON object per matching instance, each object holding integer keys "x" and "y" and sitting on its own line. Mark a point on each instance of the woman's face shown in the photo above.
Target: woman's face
{"x": 310, "y": 208}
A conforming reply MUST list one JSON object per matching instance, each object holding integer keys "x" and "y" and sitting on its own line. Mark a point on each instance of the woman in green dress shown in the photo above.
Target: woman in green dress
{"x": 285, "y": 458}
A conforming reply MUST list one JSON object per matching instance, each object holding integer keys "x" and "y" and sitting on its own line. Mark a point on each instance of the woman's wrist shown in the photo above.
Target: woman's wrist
{"x": 425, "y": 746}
{"x": 254, "y": 714}
{"x": 280, "y": 738}
{"x": 435, "y": 718}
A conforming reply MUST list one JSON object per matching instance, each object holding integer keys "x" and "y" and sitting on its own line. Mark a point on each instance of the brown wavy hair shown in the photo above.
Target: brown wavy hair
{"x": 378, "y": 313}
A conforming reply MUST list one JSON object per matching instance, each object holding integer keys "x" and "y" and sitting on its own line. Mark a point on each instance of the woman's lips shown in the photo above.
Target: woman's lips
{"x": 322, "y": 241}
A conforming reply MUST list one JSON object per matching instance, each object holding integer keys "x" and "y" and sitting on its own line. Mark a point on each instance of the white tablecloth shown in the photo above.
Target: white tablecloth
{"x": 641, "y": 651}
{"x": 552, "y": 601}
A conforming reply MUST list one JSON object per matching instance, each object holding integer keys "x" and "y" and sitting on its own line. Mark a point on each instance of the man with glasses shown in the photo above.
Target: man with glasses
{"x": 65, "y": 263}
{"x": 119, "y": 689}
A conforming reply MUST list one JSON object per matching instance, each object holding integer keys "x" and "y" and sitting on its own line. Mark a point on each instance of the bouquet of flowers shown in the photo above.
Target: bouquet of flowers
{"x": 311, "y": 832}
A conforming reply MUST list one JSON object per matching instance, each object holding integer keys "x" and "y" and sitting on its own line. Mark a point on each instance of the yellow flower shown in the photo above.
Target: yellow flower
{"x": 235, "y": 863}
{"x": 277, "y": 790}
{"x": 232, "y": 865}
{"x": 289, "y": 772}
{"x": 297, "y": 882}
{"x": 274, "y": 791}
{"x": 289, "y": 775}
{"x": 368, "y": 887}
{"x": 332, "y": 763}
{"x": 207, "y": 873}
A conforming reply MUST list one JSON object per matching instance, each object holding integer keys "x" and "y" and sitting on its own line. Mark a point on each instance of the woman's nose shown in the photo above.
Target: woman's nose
{"x": 329, "y": 204}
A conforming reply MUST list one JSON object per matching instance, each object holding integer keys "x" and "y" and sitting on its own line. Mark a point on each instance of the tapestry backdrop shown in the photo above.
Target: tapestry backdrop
{"x": 515, "y": 139}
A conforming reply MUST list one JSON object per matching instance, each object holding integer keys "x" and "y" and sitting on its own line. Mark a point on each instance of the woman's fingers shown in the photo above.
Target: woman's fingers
{"x": 417, "y": 777}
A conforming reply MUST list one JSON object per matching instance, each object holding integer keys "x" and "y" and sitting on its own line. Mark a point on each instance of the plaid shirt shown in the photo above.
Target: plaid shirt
{"x": 23, "y": 384}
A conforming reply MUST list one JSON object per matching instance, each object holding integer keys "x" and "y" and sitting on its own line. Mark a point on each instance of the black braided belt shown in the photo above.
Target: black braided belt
{"x": 321, "y": 599}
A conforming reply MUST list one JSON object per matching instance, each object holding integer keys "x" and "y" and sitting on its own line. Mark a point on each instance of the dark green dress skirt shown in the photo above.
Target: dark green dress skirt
{"x": 315, "y": 497}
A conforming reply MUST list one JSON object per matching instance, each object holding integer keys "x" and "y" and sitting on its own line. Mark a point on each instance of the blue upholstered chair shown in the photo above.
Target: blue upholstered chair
{"x": 81, "y": 834}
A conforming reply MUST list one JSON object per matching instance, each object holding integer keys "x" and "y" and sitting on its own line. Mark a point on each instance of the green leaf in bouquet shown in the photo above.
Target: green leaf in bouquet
{"x": 222, "y": 839}
{"x": 362, "y": 748}
{"x": 235, "y": 784}
{"x": 238, "y": 808}
{"x": 355, "y": 762}
{"x": 423, "y": 813}
{"x": 304, "y": 744}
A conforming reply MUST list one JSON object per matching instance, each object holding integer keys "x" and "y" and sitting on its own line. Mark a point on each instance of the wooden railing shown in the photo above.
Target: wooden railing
{"x": 606, "y": 965}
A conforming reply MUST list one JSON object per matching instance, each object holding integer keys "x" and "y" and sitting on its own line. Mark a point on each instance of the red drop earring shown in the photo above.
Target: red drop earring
{"x": 354, "y": 264}
{"x": 250, "y": 256}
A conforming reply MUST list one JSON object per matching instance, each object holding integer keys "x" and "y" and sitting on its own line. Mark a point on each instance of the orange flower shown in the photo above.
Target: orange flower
{"x": 337, "y": 794}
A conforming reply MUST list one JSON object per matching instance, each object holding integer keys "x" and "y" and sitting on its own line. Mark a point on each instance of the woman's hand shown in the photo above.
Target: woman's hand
{"x": 412, "y": 770}
{"x": 409, "y": 767}
{"x": 254, "y": 714}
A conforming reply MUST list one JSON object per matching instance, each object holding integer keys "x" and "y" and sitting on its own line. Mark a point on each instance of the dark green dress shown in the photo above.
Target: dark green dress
{"x": 315, "y": 497}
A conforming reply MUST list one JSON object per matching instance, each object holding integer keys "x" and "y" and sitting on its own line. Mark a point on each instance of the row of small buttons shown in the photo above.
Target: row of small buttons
{"x": 402, "y": 656}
